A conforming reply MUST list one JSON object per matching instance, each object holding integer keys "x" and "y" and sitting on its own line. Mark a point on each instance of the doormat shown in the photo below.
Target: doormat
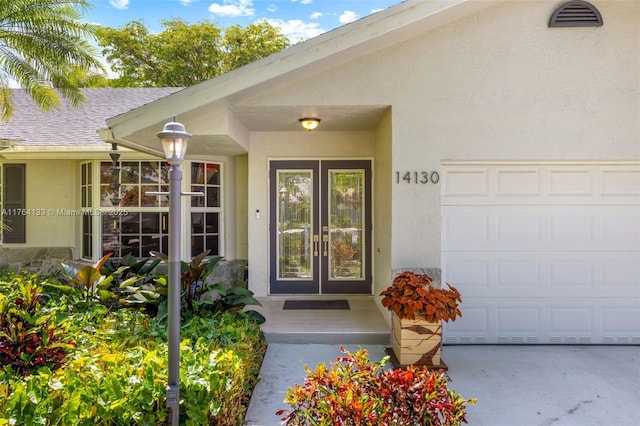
{"x": 316, "y": 304}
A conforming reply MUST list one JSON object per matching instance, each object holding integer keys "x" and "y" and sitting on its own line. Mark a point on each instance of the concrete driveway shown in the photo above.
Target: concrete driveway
{"x": 514, "y": 385}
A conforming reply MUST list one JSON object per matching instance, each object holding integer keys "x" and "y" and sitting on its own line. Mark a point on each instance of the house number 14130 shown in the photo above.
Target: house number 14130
{"x": 417, "y": 177}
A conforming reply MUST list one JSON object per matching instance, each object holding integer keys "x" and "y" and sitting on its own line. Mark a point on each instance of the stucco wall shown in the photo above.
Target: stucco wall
{"x": 498, "y": 85}
{"x": 382, "y": 207}
{"x": 241, "y": 214}
{"x": 50, "y": 204}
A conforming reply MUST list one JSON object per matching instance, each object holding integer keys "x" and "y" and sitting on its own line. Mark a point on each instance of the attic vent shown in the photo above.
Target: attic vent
{"x": 576, "y": 14}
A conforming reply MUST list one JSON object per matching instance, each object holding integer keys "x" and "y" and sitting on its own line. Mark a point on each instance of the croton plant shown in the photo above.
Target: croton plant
{"x": 413, "y": 295}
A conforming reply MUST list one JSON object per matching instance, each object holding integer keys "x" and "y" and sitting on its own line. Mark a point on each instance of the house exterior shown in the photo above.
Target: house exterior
{"x": 496, "y": 141}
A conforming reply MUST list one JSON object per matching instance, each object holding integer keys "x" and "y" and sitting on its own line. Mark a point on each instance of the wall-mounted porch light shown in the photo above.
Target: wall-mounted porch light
{"x": 309, "y": 123}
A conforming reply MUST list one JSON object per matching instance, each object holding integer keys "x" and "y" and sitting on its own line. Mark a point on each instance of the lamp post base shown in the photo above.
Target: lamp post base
{"x": 173, "y": 404}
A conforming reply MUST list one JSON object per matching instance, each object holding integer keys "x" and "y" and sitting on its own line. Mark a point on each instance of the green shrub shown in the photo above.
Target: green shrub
{"x": 355, "y": 391}
{"x": 30, "y": 336}
{"x": 117, "y": 374}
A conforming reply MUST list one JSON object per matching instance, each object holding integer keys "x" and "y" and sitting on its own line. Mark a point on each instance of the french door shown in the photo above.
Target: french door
{"x": 320, "y": 226}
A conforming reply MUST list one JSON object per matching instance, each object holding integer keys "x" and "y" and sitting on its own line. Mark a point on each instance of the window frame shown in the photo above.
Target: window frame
{"x": 97, "y": 209}
{"x": 18, "y": 233}
{"x": 206, "y": 210}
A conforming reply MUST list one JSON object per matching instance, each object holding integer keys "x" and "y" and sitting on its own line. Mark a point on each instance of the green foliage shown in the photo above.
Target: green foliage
{"x": 138, "y": 283}
{"x": 183, "y": 54}
{"x": 91, "y": 282}
{"x": 205, "y": 299}
{"x": 31, "y": 337}
{"x": 44, "y": 47}
{"x": 355, "y": 391}
{"x": 117, "y": 374}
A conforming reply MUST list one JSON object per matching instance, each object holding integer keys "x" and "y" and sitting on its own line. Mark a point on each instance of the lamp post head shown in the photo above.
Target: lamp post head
{"x": 174, "y": 140}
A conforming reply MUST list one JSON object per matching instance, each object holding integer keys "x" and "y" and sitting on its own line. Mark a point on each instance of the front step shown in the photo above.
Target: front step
{"x": 361, "y": 324}
{"x": 331, "y": 338}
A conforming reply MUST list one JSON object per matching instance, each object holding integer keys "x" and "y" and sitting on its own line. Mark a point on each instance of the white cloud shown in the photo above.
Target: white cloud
{"x": 296, "y": 30}
{"x": 347, "y": 16}
{"x": 188, "y": 2}
{"x": 316, "y": 15}
{"x": 119, "y": 4}
{"x": 302, "y": 1}
{"x": 272, "y": 8}
{"x": 233, "y": 8}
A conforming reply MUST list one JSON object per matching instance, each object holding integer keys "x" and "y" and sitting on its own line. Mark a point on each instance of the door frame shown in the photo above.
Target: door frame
{"x": 321, "y": 286}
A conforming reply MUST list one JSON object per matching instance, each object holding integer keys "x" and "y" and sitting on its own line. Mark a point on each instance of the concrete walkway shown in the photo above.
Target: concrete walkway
{"x": 514, "y": 385}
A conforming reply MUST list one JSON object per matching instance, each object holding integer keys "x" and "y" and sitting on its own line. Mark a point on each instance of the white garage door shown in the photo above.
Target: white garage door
{"x": 543, "y": 252}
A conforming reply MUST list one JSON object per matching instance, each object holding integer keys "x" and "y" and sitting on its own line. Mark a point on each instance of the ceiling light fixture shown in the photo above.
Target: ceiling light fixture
{"x": 309, "y": 123}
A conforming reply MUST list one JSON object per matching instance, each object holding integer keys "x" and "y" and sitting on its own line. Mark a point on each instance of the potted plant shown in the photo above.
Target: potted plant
{"x": 417, "y": 311}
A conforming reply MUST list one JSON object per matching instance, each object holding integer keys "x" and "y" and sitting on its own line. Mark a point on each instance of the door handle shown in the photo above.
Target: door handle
{"x": 325, "y": 240}
{"x": 316, "y": 238}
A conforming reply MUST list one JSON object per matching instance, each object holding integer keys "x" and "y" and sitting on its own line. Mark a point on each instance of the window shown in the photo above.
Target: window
{"x": 87, "y": 203}
{"x": 13, "y": 203}
{"x": 131, "y": 222}
{"x": 126, "y": 186}
{"x": 205, "y": 210}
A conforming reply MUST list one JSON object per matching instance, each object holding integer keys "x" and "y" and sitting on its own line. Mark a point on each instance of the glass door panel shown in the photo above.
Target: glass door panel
{"x": 346, "y": 221}
{"x": 293, "y": 224}
{"x": 295, "y": 213}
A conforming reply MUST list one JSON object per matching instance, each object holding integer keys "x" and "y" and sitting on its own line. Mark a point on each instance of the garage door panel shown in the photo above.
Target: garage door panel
{"x": 565, "y": 275}
{"x": 541, "y": 228}
{"x": 574, "y": 181}
{"x": 621, "y": 272}
{"x": 571, "y": 321}
{"x": 620, "y": 181}
{"x": 543, "y": 184}
{"x": 543, "y": 253}
{"x": 620, "y": 321}
{"x": 544, "y": 321}
{"x": 619, "y": 227}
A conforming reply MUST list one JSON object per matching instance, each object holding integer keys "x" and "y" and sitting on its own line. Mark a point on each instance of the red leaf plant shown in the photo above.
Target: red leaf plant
{"x": 413, "y": 295}
{"x": 28, "y": 339}
{"x": 357, "y": 392}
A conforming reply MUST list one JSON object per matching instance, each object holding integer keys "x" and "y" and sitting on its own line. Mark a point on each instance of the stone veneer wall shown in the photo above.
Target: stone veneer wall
{"x": 39, "y": 260}
{"x": 434, "y": 273}
{"x": 44, "y": 261}
{"x": 230, "y": 272}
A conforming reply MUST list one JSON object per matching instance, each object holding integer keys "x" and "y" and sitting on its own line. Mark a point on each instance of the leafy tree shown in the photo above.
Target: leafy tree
{"x": 183, "y": 54}
{"x": 43, "y": 48}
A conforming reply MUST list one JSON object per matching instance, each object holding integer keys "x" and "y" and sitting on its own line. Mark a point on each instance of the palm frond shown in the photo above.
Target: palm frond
{"x": 44, "y": 46}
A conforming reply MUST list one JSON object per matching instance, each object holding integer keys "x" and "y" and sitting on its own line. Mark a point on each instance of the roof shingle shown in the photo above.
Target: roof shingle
{"x": 69, "y": 126}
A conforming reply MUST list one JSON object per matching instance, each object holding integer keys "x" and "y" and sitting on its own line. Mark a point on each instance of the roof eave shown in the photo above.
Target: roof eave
{"x": 365, "y": 35}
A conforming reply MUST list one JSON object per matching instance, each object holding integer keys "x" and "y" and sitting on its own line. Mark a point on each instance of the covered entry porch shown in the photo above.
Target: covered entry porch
{"x": 361, "y": 324}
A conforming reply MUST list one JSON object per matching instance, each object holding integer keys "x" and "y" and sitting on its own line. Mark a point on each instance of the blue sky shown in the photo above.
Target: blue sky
{"x": 297, "y": 19}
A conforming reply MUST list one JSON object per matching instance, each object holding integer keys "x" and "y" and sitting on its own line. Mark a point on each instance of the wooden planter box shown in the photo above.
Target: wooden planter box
{"x": 417, "y": 342}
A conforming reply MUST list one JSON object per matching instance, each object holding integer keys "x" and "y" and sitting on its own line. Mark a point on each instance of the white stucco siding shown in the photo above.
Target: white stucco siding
{"x": 51, "y": 201}
{"x": 498, "y": 85}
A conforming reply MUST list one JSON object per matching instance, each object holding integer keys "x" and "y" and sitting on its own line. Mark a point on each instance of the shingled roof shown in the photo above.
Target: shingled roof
{"x": 69, "y": 126}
